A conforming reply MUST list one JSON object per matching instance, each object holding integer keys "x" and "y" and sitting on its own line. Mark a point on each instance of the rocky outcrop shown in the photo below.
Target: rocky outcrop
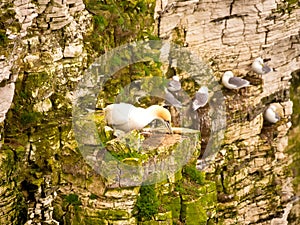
{"x": 293, "y": 148}
{"x": 34, "y": 61}
{"x": 252, "y": 160}
{"x": 45, "y": 179}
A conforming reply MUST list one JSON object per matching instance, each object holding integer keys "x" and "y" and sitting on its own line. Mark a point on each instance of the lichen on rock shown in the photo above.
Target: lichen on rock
{"x": 45, "y": 47}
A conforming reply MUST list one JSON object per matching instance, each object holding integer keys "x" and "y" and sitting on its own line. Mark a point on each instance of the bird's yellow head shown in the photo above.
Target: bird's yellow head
{"x": 164, "y": 114}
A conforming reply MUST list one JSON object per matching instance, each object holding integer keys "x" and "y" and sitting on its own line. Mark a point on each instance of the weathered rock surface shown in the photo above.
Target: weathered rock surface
{"x": 7, "y": 93}
{"x": 32, "y": 44}
{"x": 46, "y": 180}
{"x": 230, "y": 35}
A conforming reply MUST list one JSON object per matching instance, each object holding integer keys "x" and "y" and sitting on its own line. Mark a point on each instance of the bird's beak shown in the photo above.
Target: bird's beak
{"x": 168, "y": 126}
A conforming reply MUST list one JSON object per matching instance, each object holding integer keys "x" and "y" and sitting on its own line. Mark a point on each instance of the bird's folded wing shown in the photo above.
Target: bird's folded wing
{"x": 117, "y": 115}
{"x": 237, "y": 81}
{"x": 200, "y": 100}
{"x": 172, "y": 100}
{"x": 174, "y": 85}
{"x": 266, "y": 68}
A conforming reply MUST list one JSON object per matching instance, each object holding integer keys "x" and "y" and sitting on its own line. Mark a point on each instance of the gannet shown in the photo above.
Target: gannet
{"x": 126, "y": 117}
{"x": 258, "y": 66}
{"x": 273, "y": 113}
{"x": 201, "y": 98}
{"x": 232, "y": 82}
{"x": 174, "y": 84}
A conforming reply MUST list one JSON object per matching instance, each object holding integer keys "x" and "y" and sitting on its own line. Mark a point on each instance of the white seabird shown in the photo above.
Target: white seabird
{"x": 258, "y": 66}
{"x": 127, "y": 117}
{"x": 273, "y": 113}
{"x": 174, "y": 84}
{"x": 232, "y": 82}
{"x": 201, "y": 98}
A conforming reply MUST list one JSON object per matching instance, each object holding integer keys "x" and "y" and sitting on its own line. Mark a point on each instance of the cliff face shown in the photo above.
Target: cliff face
{"x": 43, "y": 56}
{"x": 294, "y": 146}
{"x": 253, "y": 160}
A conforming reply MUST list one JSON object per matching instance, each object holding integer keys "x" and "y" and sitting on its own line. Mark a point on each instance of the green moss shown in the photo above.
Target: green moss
{"x": 294, "y": 92}
{"x": 153, "y": 222}
{"x": 117, "y": 214}
{"x": 193, "y": 213}
{"x": 100, "y": 22}
{"x": 94, "y": 221}
{"x": 179, "y": 36}
{"x": 198, "y": 196}
{"x": 7, "y": 159}
{"x": 30, "y": 118}
{"x": 21, "y": 209}
{"x": 211, "y": 187}
{"x": 294, "y": 142}
{"x": 127, "y": 155}
{"x": 188, "y": 190}
{"x": 119, "y": 85}
{"x": 209, "y": 199}
{"x": 127, "y": 147}
{"x": 287, "y": 6}
{"x": 291, "y": 2}
{"x": 119, "y": 22}
{"x": 10, "y": 179}
{"x": 93, "y": 196}
{"x": 3, "y": 38}
{"x": 7, "y": 12}
{"x": 172, "y": 203}
{"x": 193, "y": 174}
{"x": 72, "y": 199}
{"x": 29, "y": 89}
{"x": 147, "y": 203}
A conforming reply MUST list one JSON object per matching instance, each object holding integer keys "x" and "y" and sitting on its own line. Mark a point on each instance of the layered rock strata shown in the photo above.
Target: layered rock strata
{"x": 229, "y": 35}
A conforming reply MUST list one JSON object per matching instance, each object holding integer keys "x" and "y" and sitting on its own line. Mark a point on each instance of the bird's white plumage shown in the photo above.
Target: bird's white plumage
{"x": 174, "y": 84}
{"x": 258, "y": 66}
{"x": 201, "y": 98}
{"x": 176, "y": 78}
{"x": 232, "y": 82}
{"x": 127, "y": 117}
{"x": 273, "y": 113}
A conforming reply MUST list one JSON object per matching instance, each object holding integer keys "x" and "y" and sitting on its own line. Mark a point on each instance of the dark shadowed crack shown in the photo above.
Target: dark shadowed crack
{"x": 228, "y": 17}
{"x": 258, "y": 13}
{"x": 231, "y": 6}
